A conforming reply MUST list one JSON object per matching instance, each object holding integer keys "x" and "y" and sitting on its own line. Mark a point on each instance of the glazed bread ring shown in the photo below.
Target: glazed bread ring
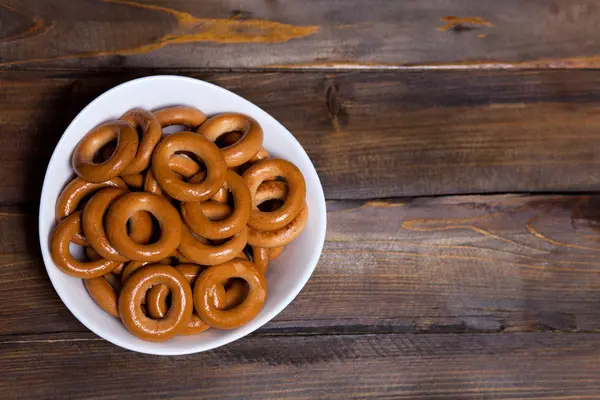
{"x": 262, "y": 256}
{"x": 180, "y": 115}
{"x": 236, "y": 290}
{"x": 246, "y": 147}
{"x": 270, "y": 169}
{"x": 212, "y": 281}
{"x": 130, "y": 268}
{"x": 151, "y": 135}
{"x": 103, "y": 293}
{"x": 274, "y": 190}
{"x": 59, "y": 249}
{"x": 91, "y": 255}
{"x": 172, "y": 183}
{"x": 151, "y": 185}
{"x": 189, "y": 168}
{"x": 157, "y": 301}
{"x": 93, "y": 223}
{"x": 72, "y": 195}
{"x": 198, "y": 222}
{"x": 198, "y": 250}
{"x": 168, "y": 219}
{"x": 141, "y": 227}
{"x": 282, "y": 236}
{"x": 127, "y": 145}
{"x": 231, "y": 138}
{"x": 134, "y": 181}
{"x": 175, "y": 259}
{"x": 134, "y": 291}
{"x": 184, "y": 166}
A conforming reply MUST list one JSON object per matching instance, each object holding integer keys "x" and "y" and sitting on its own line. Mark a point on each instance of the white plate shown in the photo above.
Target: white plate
{"x": 286, "y": 276}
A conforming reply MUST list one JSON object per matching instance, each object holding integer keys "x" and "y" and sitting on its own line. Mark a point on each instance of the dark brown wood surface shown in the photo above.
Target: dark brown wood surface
{"x": 392, "y": 366}
{"x": 448, "y": 264}
{"x": 370, "y": 135}
{"x": 458, "y": 144}
{"x": 299, "y": 34}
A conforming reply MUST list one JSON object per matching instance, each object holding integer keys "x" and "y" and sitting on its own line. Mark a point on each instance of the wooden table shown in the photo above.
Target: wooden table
{"x": 458, "y": 143}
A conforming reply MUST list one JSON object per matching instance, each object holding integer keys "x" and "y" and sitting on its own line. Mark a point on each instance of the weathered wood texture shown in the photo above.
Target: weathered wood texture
{"x": 306, "y": 34}
{"x": 370, "y": 135}
{"x": 503, "y": 366}
{"x": 456, "y": 264}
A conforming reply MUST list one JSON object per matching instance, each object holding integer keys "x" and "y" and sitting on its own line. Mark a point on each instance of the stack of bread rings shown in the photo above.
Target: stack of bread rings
{"x": 179, "y": 229}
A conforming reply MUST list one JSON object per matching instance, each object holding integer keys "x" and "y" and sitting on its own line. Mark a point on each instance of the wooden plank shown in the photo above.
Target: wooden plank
{"x": 287, "y": 34}
{"x": 370, "y": 135}
{"x": 519, "y": 366}
{"x": 454, "y": 264}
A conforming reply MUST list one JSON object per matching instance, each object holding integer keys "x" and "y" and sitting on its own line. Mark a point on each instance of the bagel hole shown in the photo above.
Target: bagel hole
{"x": 145, "y": 308}
{"x": 105, "y": 152}
{"x": 228, "y": 139}
{"x": 270, "y": 205}
{"x": 193, "y": 157}
{"x": 154, "y": 235}
{"x": 248, "y": 252}
{"x": 168, "y": 130}
{"x": 156, "y": 231}
{"x": 78, "y": 252}
{"x": 228, "y": 285}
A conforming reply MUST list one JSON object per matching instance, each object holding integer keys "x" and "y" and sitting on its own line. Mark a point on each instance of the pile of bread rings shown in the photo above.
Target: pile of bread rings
{"x": 174, "y": 238}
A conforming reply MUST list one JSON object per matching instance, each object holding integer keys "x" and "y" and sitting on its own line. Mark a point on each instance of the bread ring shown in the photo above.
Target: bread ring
{"x": 231, "y": 138}
{"x": 179, "y": 164}
{"x": 130, "y": 268}
{"x": 93, "y": 223}
{"x": 93, "y": 256}
{"x": 246, "y": 147}
{"x": 168, "y": 219}
{"x": 270, "y": 169}
{"x": 172, "y": 183}
{"x": 199, "y": 223}
{"x": 282, "y": 236}
{"x": 151, "y": 135}
{"x": 141, "y": 227}
{"x": 59, "y": 249}
{"x": 200, "y": 251}
{"x": 262, "y": 256}
{"x": 157, "y": 301}
{"x": 189, "y": 168}
{"x": 151, "y": 185}
{"x": 180, "y": 115}
{"x": 103, "y": 293}
{"x": 127, "y": 144}
{"x": 134, "y": 181}
{"x": 213, "y": 280}
{"x": 72, "y": 195}
{"x": 175, "y": 259}
{"x": 274, "y": 190}
{"x": 134, "y": 291}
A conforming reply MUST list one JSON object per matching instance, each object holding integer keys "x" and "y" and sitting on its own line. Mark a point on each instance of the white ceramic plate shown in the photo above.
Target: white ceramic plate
{"x": 286, "y": 276}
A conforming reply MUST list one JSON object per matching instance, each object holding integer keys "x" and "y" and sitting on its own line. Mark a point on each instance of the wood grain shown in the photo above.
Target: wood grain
{"x": 503, "y": 366}
{"x": 370, "y": 135}
{"x": 453, "y": 264}
{"x": 287, "y": 34}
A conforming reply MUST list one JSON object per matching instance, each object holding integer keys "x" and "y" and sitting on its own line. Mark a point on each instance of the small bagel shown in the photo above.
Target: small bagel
{"x": 168, "y": 219}
{"x": 172, "y": 183}
{"x": 127, "y": 145}
{"x": 245, "y": 147}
